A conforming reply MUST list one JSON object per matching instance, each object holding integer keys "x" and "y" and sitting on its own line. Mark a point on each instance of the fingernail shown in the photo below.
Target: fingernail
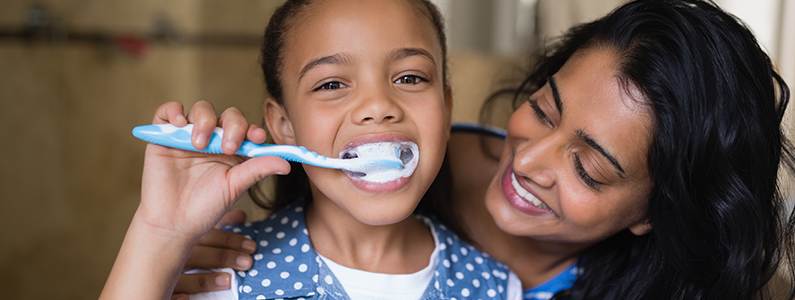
{"x": 222, "y": 280}
{"x": 249, "y": 245}
{"x": 243, "y": 261}
{"x": 230, "y": 145}
{"x": 201, "y": 139}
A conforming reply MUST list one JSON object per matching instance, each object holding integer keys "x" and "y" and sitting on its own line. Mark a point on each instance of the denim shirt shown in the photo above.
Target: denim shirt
{"x": 287, "y": 267}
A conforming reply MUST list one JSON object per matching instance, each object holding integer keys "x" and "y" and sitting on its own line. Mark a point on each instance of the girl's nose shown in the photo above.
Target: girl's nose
{"x": 377, "y": 107}
{"x": 538, "y": 160}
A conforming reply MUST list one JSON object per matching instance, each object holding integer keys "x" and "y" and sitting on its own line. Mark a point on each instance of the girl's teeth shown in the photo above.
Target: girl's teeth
{"x": 527, "y": 196}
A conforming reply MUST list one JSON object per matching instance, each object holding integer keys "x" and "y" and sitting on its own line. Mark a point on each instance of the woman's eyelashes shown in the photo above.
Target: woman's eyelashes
{"x": 540, "y": 114}
{"x": 578, "y": 166}
{"x": 584, "y": 176}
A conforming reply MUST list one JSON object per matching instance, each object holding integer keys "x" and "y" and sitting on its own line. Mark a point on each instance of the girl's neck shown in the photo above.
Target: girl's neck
{"x": 401, "y": 248}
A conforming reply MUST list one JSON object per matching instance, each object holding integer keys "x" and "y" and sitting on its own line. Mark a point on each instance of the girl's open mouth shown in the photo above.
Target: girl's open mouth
{"x": 407, "y": 152}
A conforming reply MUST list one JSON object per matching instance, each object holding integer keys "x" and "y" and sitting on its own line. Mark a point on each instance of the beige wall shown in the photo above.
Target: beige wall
{"x": 70, "y": 169}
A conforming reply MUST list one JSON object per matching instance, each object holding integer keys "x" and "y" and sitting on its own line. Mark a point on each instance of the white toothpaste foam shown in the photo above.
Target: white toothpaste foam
{"x": 410, "y": 156}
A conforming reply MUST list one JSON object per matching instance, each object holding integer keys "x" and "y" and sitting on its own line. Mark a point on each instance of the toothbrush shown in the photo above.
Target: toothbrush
{"x": 179, "y": 137}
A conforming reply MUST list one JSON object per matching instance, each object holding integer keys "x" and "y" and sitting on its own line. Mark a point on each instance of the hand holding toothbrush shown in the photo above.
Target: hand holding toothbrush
{"x": 184, "y": 194}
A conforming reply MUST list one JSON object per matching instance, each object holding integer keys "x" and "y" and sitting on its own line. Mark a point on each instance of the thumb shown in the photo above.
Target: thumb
{"x": 246, "y": 174}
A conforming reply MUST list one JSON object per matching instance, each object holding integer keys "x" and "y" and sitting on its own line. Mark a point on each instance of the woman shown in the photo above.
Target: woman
{"x": 643, "y": 155}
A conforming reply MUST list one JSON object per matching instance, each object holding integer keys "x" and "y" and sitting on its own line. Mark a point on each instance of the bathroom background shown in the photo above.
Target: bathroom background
{"x": 77, "y": 75}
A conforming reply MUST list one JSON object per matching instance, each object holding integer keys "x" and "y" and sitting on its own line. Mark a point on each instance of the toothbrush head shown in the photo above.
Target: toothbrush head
{"x": 383, "y": 161}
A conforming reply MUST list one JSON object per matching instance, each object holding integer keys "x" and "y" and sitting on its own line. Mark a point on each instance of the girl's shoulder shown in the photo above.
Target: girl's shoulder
{"x": 285, "y": 264}
{"x": 464, "y": 272}
{"x": 288, "y": 221}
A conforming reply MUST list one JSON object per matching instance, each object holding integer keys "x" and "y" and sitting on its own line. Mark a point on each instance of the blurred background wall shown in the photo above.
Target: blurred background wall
{"x": 77, "y": 75}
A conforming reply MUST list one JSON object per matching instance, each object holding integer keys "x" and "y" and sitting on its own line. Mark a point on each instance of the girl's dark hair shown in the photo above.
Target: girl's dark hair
{"x": 296, "y": 184}
{"x": 720, "y": 225}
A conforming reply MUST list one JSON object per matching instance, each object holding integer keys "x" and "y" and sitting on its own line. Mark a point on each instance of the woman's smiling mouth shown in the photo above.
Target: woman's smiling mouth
{"x": 520, "y": 198}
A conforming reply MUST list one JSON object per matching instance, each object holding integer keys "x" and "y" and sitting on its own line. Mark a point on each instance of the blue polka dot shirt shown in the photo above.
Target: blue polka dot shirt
{"x": 287, "y": 267}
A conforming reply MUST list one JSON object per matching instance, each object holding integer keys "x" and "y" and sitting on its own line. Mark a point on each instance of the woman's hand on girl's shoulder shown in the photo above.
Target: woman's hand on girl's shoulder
{"x": 216, "y": 249}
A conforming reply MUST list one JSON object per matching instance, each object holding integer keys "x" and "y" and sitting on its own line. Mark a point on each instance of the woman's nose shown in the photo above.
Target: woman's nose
{"x": 377, "y": 106}
{"x": 539, "y": 159}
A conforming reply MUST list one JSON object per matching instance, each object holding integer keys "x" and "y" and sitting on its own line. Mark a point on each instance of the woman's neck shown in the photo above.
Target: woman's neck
{"x": 401, "y": 248}
{"x": 533, "y": 261}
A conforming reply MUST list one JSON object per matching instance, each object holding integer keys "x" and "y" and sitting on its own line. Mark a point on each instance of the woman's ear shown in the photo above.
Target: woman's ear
{"x": 279, "y": 125}
{"x": 641, "y": 228}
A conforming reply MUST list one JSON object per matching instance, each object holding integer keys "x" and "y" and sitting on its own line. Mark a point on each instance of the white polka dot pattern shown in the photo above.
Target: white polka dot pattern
{"x": 286, "y": 266}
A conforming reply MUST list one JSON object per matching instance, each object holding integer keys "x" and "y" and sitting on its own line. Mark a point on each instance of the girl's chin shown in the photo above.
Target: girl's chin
{"x": 378, "y": 187}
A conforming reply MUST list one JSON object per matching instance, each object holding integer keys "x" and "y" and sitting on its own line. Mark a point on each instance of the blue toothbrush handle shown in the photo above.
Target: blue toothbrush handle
{"x": 180, "y": 138}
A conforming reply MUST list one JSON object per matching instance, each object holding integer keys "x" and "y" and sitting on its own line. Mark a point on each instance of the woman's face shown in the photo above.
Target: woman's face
{"x": 574, "y": 165}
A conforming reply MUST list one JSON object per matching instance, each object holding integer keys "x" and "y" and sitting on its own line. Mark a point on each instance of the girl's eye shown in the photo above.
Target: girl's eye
{"x": 331, "y": 86}
{"x": 589, "y": 181}
{"x": 539, "y": 112}
{"x": 410, "y": 79}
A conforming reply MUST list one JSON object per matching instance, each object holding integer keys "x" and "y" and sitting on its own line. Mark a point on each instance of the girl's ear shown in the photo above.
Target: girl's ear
{"x": 641, "y": 228}
{"x": 448, "y": 107}
{"x": 279, "y": 125}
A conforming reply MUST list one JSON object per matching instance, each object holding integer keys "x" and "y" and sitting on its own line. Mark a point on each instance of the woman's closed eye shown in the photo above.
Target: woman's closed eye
{"x": 539, "y": 112}
{"x": 331, "y": 85}
{"x": 584, "y": 176}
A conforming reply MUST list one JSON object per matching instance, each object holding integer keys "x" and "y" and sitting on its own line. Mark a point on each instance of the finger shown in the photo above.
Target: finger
{"x": 256, "y": 134}
{"x": 232, "y": 217}
{"x": 246, "y": 174}
{"x": 205, "y": 257}
{"x": 222, "y": 239}
{"x": 202, "y": 115}
{"x": 170, "y": 112}
{"x": 235, "y": 126}
{"x": 180, "y": 297}
{"x": 198, "y": 283}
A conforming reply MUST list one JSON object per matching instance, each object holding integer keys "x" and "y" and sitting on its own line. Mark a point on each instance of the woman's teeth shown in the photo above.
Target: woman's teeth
{"x": 527, "y": 196}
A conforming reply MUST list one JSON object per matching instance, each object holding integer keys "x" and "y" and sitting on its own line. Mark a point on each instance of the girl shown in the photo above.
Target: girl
{"x": 641, "y": 163}
{"x": 341, "y": 75}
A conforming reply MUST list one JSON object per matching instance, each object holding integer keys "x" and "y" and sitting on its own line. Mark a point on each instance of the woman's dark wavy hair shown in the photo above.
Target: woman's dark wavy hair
{"x": 295, "y": 185}
{"x": 720, "y": 224}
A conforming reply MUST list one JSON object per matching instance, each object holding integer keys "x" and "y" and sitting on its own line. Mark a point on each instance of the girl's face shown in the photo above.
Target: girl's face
{"x": 357, "y": 72}
{"x": 574, "y": 166}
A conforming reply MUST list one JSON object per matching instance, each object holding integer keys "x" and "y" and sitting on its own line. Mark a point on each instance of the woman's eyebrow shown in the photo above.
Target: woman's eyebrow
{"x": 553, "y": 85}
{"x": 581, "y": 134}
{"x": 610, "y": 158}
{"x": 339, "y": 58}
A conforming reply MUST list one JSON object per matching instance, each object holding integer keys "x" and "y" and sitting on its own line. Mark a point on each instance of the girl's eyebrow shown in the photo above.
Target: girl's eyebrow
{"x": 339, "y": 58}
{"x": 408, "y": 52}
